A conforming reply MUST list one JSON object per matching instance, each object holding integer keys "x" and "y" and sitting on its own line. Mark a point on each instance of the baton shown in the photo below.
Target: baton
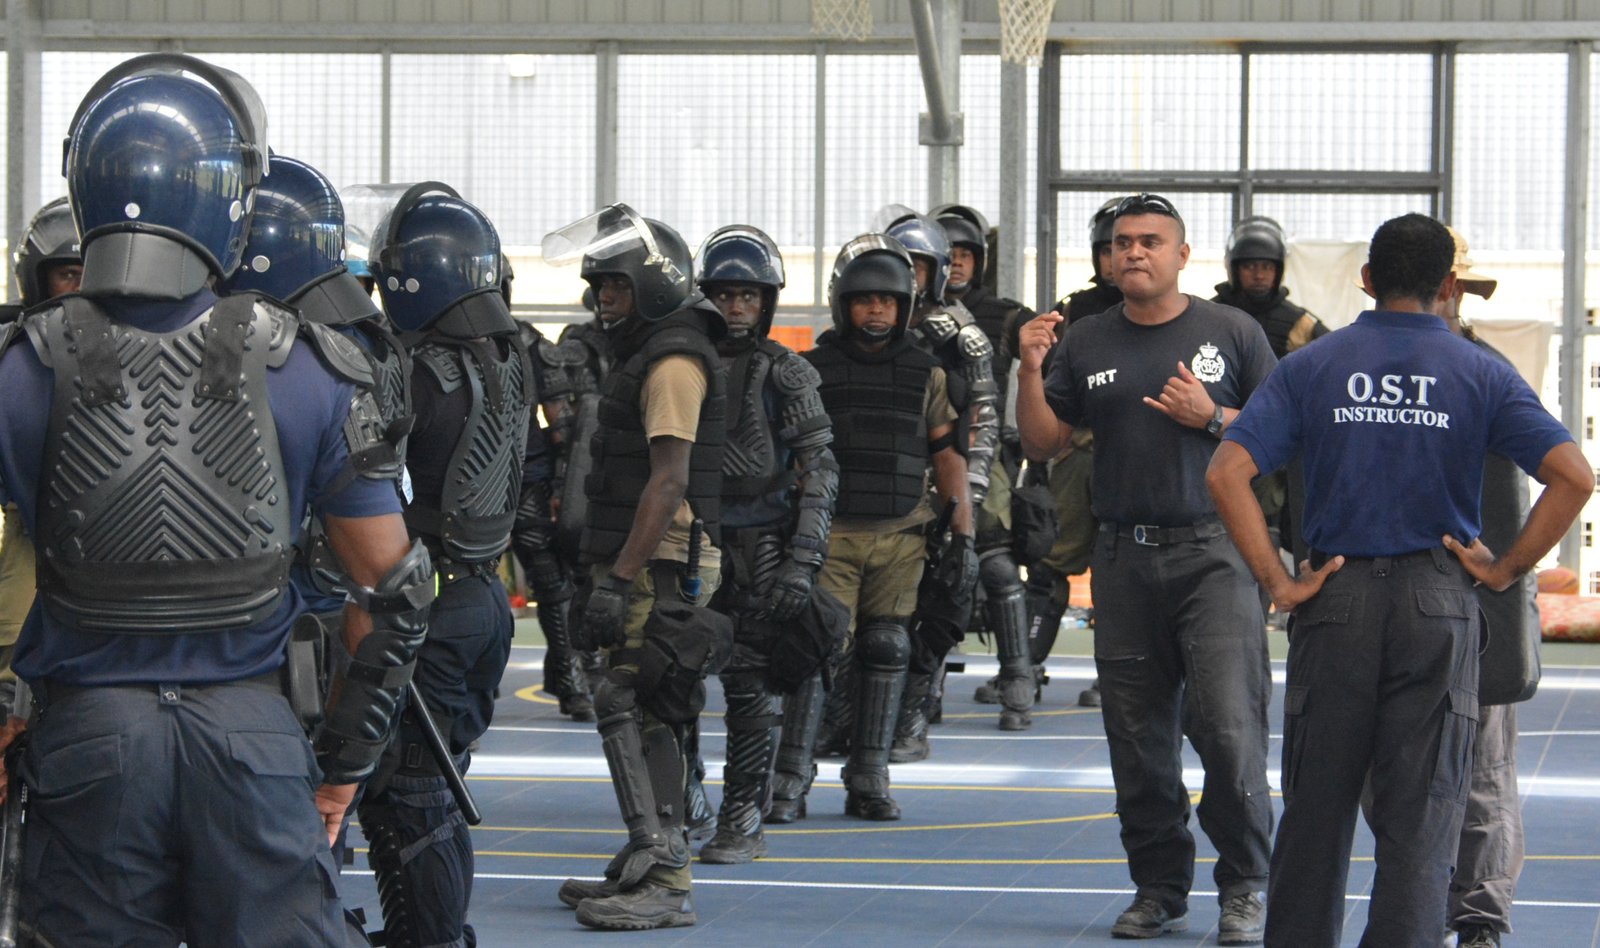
{"x": 442, "y": 756}
{"x": 690, "y": 587}
{"x": 15, "y": 813}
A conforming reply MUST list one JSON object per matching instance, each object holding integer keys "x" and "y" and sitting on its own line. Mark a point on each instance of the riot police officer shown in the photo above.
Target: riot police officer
{"x": 892, "y": 419}
{"x": 651, "y": 544}
{"x": 948, "y": 331}
{"x": 778, "y": 488}
{"x": 474, "y": 446}
{"x": 1255, "y": 256}
{"x": 574, "y": 367}
{"x": 169, "y": 640}
{"x": 47, "y": 264}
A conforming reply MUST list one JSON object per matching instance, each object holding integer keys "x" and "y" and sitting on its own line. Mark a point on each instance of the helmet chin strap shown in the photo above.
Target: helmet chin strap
{"x": 876, "y": 333}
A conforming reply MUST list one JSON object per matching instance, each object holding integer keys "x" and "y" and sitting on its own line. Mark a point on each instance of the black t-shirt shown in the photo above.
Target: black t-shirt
{"x": 1148, "y": 469}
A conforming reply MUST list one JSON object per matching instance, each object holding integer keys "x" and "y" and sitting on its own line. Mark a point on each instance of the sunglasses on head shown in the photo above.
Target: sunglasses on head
{"x": 1146, "y": 204}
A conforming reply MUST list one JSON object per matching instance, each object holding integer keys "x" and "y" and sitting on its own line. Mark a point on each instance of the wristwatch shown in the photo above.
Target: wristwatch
{"x": 1214, "y": 426}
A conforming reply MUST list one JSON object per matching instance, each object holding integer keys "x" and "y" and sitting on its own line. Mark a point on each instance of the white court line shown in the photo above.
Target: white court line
{"x": 892, "y": 887}
{"x": 971, "y": 775}
{"x": 985, "y": 666}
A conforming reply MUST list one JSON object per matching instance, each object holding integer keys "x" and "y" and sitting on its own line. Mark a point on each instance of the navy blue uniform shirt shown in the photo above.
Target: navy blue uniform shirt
{"x": 1395, "y": 415}
{"x": 1149, "y": 469}
{"x": 309, "y": 406}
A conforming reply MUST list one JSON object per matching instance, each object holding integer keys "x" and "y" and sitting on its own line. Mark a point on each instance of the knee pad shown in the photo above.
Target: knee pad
{"x": 883, "y": 643}
{"x": 614, "y": 699}
{"x": 998, "y": 573}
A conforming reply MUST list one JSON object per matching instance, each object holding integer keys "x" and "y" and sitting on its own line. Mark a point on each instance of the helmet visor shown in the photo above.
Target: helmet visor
{"x": 609, "y": 232}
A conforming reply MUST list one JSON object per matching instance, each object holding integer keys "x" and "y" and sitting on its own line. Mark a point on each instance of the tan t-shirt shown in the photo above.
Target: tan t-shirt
{"x": 674, "y": 389}
{"x": 937, "y": 412}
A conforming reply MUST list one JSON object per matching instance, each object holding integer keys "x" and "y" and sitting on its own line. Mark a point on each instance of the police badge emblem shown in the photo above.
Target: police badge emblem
{"x": 1207, "y": 364}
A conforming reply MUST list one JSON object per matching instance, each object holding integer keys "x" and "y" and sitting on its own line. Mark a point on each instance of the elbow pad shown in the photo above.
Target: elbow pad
{"x": 359, "y": 724}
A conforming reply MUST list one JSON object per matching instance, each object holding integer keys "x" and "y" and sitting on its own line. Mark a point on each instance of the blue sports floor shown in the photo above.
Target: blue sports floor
{"x": 1008, "y": 839}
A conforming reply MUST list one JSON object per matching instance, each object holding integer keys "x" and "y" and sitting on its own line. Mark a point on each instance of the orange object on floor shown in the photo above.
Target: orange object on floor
{"x": 1081, "y": 598}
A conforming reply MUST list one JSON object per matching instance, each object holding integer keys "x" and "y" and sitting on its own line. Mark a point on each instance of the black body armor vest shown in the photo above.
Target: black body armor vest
{"x": 163, "y": 508}
{"x": 880, "y": 433}
{"x": 483, "y": 482}
{"x": 1094, "y": 299}
{"x": 1278, "y": 317}
{"x": 757, "y": 474}
{"x": 620, "y": 450}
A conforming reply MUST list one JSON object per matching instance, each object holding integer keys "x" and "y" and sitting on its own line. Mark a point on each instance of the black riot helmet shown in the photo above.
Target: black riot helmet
{"x": 506, "y": 276}
{"x": 965, "y": 227}
{"x": 616, "y": 241}
{"x": 1256, "y": 238}
{"x": 51, "y": 240}
{"x": 872, "y": 263}
{"x": 740, "y": 253}
{"x": 434, "y": 253}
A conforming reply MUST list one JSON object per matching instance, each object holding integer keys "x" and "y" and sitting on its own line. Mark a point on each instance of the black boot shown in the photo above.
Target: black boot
{"x": 911, "y": 730}
{"x": 564, "y": 679}
{"x": 883, "y": 649}
{"x": 752, "y": 746}
{"x": 1007, "y": 616}
{"x": 794, "y": 768}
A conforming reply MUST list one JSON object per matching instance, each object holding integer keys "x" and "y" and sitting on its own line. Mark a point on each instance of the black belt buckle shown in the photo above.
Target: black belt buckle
{"x": 1141, "y": 535}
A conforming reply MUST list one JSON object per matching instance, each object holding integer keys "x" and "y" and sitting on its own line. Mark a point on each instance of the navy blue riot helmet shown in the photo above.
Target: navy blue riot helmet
{"x": 165, "y": 150}
{"x": 740, "y": 253}
{"x": 296, "y": 235}
{"x": 922, "y": 238}
{"x": 51, "y": 240}
{"x": 432, "y": 252}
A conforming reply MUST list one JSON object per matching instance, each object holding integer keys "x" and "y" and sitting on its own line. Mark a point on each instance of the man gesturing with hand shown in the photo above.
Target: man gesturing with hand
{"x": 1180, "y": 640}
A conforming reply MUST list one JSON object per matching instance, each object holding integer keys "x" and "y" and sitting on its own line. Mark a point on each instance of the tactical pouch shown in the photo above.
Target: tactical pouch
{"x": 682, "y": 645}
{"x": 804, "y": 648}
{"x": 306, "y": 671}
{"x": 1033, "y": 523}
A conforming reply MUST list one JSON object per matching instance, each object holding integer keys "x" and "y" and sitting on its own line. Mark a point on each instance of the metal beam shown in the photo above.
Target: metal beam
{"x": 819, "y": 207}
{"x": 24, "y": 22}
{"x": 937, "y": 26}
{"x": 1045, "y": 203}
{"x": 1013, "y": 178}
{"x": 605, "y": 125}
{"x": 1575, "y": 227}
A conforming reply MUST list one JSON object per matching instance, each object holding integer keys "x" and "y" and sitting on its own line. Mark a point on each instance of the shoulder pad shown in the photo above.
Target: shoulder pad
{"x": 529, "y": 335}
{"x": 443, "y": 364}
{"x": 793, "y": 375}
{"x": 940, "y": 327}
{"x": 341, "y": 355}
{"x": 283, "y": 324}
{"x": 973, "y": 343}
{"x": 9, "y": 333}
{"x": 33, "y": 323}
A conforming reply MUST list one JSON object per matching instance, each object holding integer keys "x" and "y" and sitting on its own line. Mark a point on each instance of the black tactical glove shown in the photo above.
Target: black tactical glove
{"x": 958, "y": 567}
{"x": 604, "y": 615}
{"x": 791, "y": 590}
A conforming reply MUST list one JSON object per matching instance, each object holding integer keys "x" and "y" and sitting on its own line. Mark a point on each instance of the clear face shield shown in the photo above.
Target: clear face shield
{"x": 606, "y": 234}
{"x": 609, "y": 234}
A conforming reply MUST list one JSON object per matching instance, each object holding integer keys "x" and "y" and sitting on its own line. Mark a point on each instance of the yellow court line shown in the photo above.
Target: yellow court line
{"x": 987, "y": 788}
{"x": 843, "y": 830}
{"x": 978, "y": 715}
{"x": 535, "y": 693}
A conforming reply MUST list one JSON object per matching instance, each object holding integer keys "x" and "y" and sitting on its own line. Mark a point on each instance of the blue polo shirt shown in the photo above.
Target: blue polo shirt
{"x": 1394, "y": 415}
{"x": 309, "y": 406}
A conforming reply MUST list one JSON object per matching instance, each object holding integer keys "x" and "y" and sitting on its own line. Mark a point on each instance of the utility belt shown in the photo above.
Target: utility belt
{"x": 1143, "y": 534}
{"x": 451, "y": 571}
{"x": 50, "y": 692}
{"x": 1381, "y": 566}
